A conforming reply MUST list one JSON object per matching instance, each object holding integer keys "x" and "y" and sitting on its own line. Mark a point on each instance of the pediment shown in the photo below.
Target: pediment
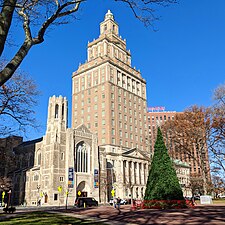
{"x": 135, "y": 153}
{"x": 83, "y": 129}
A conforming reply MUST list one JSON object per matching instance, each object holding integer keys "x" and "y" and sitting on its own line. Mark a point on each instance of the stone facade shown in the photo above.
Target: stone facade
{"x": 63, "y": 161}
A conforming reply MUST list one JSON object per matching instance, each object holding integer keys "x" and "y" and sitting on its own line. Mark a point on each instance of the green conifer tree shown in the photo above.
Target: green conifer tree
{"x": 162, "y": 182}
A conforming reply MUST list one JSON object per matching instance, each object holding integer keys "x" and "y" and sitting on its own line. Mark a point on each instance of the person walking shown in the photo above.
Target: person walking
{"x": 118, "y": 204}
{"x": 115, "y": 202}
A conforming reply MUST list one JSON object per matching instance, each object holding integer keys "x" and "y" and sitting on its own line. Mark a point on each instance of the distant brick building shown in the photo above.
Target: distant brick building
{"x": 157, "y": 118}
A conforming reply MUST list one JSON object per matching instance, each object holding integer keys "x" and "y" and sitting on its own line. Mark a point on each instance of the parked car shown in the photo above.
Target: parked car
{"x": 111, "y": 201}
{"x": 123, "y": 202}
{"x": 197, "y": 197}
{"x": 85, "y": 202}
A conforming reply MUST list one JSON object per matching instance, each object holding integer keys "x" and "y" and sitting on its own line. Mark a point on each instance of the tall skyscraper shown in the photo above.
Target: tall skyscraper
{"x": 109, "y": 95}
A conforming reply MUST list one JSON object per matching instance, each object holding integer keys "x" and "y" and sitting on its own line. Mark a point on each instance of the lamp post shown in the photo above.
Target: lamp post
{"x": 9, "y": 197}
{"x": 112, "y": 180}
{"x": 3, "y": 194}
{"x": 38, "y": 188}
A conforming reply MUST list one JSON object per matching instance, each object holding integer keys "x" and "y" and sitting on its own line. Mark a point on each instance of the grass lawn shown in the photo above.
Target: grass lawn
{"x": 43, "y": 218}
{"x": 219, "y": 200}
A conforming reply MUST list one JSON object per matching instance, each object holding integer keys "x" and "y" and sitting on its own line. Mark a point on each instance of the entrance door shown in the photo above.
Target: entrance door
{"x": 46, "y": 198}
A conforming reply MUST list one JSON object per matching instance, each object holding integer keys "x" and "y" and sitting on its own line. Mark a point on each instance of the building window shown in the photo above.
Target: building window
{"x": 61, "y": 179}
{"x": 56, "y": 111}
{"x": 39, "y": 158}
{"x": 55, "y": 197}
{"x": 112, "y": 95}
{"x": 62, "y": 156}
{"x": 36, "y": 177}
{"x": 82, "y": 158}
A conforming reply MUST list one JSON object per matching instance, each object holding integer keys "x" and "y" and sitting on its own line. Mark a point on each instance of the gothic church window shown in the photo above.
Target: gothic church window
{"x": 82, "y": 157}
{"x": 62, "y": 111}
{"x": 56, "y": 111}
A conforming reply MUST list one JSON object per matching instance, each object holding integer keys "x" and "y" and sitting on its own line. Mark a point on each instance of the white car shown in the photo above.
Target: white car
{"x": 123, "y": 202}
{"x": 111, "y": 201}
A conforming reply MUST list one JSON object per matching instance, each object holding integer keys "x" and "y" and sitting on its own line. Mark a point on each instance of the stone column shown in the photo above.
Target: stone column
{"x": 142, "y": 174}
{"x": 132, "y": 173}
{"x": 138, "y": 174}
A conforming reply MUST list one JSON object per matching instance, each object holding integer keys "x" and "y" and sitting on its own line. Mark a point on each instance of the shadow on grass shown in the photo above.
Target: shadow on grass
{"x": 43, "y": 218}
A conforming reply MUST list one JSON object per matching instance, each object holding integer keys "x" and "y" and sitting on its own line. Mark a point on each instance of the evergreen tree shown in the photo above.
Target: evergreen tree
{"x": 162, "y": 182}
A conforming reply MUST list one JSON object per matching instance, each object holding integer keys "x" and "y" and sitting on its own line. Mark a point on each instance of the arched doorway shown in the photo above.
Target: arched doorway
{"x": 81, "y": 190}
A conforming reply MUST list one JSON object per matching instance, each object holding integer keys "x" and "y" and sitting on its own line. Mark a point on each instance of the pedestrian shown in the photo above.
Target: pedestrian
{"x": 115, "y": 202}
{"x": 193, "y": 201}
{"x": 118, "y": 204}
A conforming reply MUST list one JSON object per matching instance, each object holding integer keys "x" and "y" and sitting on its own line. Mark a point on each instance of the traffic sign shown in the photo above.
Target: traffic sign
{"x": 113, "y": 192}
{"x": 59, "y": 188}
{"x": 79, "y": 193}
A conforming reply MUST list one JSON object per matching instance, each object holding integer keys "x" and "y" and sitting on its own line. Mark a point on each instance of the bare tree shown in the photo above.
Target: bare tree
{"x": 188, "y": 135}
{"x": 37, "y": 16}
{"x": 17, "y": 101}
{"x": 217, "y": 133}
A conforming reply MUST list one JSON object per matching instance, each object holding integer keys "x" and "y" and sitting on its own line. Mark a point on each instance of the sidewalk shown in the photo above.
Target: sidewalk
{"x": 202, "y": 214}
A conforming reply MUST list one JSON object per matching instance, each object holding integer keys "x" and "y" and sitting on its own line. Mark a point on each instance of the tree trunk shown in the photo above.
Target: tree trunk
{"x": 5, "y": 21}
{"x": 11, "y": 67}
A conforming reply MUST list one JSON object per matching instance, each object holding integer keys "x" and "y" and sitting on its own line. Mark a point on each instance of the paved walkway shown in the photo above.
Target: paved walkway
{"x": 202, "y": 214}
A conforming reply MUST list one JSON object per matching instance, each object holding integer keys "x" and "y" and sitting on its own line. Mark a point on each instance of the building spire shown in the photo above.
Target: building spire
{"x": 109, "y": 15}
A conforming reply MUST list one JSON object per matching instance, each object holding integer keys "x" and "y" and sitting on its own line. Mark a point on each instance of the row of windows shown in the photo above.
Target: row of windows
{"x": 129, "y": 84}
{"x": 159, "y": 118}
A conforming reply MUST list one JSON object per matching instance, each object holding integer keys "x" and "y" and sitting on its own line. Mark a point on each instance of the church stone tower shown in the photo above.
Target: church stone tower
{"x": 54, "y": 151}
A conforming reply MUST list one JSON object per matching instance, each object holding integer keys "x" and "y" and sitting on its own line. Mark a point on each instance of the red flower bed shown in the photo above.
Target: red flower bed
{"x": 166, "y": 204}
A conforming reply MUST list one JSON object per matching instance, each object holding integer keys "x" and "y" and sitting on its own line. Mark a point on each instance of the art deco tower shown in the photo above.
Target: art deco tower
{"x": 109, "y": 95}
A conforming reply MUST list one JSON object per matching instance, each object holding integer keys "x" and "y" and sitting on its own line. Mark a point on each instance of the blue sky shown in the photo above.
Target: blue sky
{"x": 183, "y": 62}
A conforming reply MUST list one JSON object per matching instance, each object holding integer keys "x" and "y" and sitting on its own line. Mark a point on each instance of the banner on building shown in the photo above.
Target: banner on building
{"x": 96, "y": 178}
{"x": 157, "y": 108}
{"x": 71, "y": 178}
